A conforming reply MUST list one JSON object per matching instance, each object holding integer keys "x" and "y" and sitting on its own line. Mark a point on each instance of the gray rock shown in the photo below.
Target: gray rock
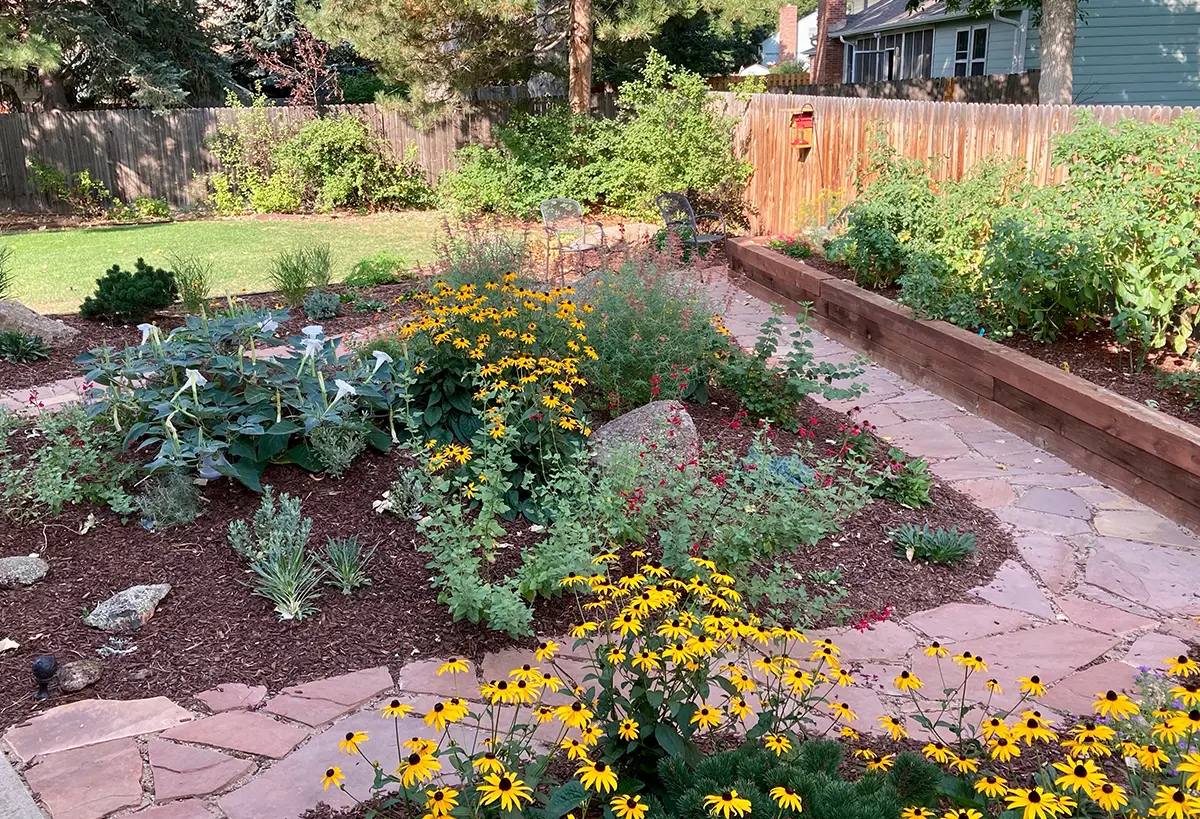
{"x": 665, "y": 425}
{"x": 16, "y": 317}
{"x": 128, "y": 610}
{"x": 21, "y": 571}
{"x": 78, "y": 675}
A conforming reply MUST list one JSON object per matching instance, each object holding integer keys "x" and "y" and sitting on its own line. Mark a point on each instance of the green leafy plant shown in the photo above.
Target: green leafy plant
{"x": 296, "y": 270}
{"x": 7, "y": 277}
{"x": 17, "y": 347}
{"x": 320, "y": 305}
{"x": 85, "y": 195}
{"x": 194, "y": 278}
{"x": 903, "y": 480}
{"x": 381, "y": 268}
{"x": 169, "y": 499}
{"x": 948, "y": 547}
{"x": 1185, "y": 382}
{"x": 791, "y": 246}
{"x": 337, "y": 447}
{"x": 125, "y": 296}
{"x": 275, "y": 545}
{"x": 151, "y": 208}
{"x": 775, "y": 391}
{"x": 345, "y": 563}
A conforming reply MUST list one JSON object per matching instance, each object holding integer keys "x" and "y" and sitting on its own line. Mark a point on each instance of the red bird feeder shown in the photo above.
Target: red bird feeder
{"x": 801, "y": 126}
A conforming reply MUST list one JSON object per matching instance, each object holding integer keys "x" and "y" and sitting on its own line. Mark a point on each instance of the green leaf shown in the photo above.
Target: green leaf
{"x": 564, "y": 799}
{"x": 270, "y": 445}
{"x": 669, "y": 739}
{"x": 246, "y": 470}
{"x": 284, "y": 428}
{"x": 302, "y": 456}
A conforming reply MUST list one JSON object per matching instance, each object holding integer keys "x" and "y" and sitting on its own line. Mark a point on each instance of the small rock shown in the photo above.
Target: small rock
{"x": 78, "y": 675}
{"x": 21, "y": 571}
{"x": 666, "y": 423}
{"x": 141, "y": 674}
{"x": 16, "y": 317}
{"x": 128, "y": 610}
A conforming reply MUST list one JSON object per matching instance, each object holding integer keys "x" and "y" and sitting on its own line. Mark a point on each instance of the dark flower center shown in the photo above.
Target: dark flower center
{"x": 601, "y": 767}
{"x": 1111, "y": 696}
{"x": 1034, "y": 797}
{"x": 935, "y": 644}
{"x": 904, "y": 675}
{"x": 414, "y": 759}
{"x": 502, "y": 685}
{"x": 727, "y": 796}
{"x": 1178, "y": 796}
{"x": 438, "y": 796}
{"x": 1183, "y": 658}
{"x": 440, "y": 707}
{"x": 576, "y": 706}
{"x": 1031, "y": 723}
{"x": 1080, "y": 771}
{"x": 543, "y": 646}
{"x": 1152, "y": 749}
{"x": 349, "y": 736}
{"x": 505, "y": 784}
{"x": 395, "y": 703}
{"x": 527, "y": 667}
{"x": 1035, "y": 679}
{"x": 329, "y": 772}
{"x": 704, "y": 712}
{"x": 1107, "y": 788}
{"x": 489, "y": 755}
{"x": 1089, "y": 725}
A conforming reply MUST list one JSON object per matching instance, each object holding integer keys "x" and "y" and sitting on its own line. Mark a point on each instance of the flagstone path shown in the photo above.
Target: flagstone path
{"x": 1102, "y": 586}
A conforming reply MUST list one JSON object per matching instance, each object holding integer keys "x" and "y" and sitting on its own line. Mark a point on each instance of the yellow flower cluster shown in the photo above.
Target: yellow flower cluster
{"x": 522, "y": 343}
{"x": 1161, "y": 749}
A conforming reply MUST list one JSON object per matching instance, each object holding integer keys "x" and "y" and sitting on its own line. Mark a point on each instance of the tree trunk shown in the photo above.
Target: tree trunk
{"x": 1058, "y": 51}
{"x": 54, "y": 93}
{"x": 550, "y": 81}
{"x": 580, "y": 84}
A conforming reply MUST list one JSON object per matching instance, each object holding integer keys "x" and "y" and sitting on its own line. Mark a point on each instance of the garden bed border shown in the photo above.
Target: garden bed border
{"x": 1150, "y": 455}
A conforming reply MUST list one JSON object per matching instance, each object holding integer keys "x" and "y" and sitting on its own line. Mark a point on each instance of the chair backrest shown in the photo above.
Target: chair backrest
{"x": 676, "y": 211}
{"x": 562, "y": 214}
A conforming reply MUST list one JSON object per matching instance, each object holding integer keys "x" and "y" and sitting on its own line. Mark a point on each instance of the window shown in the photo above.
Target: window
{"x": 970, "y": 52}
{"x": 886, "y": 57}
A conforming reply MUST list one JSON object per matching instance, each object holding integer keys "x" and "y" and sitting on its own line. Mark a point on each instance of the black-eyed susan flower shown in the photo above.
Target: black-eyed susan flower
{"x": 349, "y": 743}
{"x": 993, "y": 687}
{"x": 1032, "y": 685}
{"x": 894, "y": 726}
{"x": 739, "y": 708}
{"x": 597, "y": 776}
{"x": 454, "y": 665}
{"x": 1117, "y": 706}
{"x": 727, "y": 804}
{"x": 674, "y": 630}
{"x": 1188, "y": 693}
{"x": 917, "y": 812}
{"x": 591, "y": 735}
{"x": 1003, "y": 749}
{"x": 333, "y": 776}
{"x": 935, "y": 650}
{"x": 882, "y": 764}
{"x": 1174, "y": 803}
{"x": 526, "y": 672}
{"x": 843, "y": 710}
{"x": 628, "y": 729}
{"x": 1078, "y": 775}
{"x": 962, "y": 813}
{"x": 907, "y": 681}
{"x": 488, "y": 763}
{"x": 1186, "y": 723}
{"x": 1032, "y": 802}
{"x": 777, "y": 744}
{"x": 1182, "y": 666}
{"x": 991, "y": 785}
{"x": 1152, "y": 757}
{"x": 396, "y": 710}
{"x": 417, "y": 768}
{"x": 574, "y": 715}
{"x": 627, "y": 624}
{"x": 963, "y": 764}
{"x": 1109, "y": 797}
{"x": 787, "y": 798}
{"x": 1031, "y": 728}
{"x": 573, "y": 579}
{"x": 646, "y": 660}
{"x": 629, "y": 806}
{"x": 441, "y": 801}
{"x": 993, "y": 727}
{"x": 420, "y": 745}
{"x": 706, "y": 716}
{"x": 937, "y": 752}
{"x": 576, "y": 749}
{"x": 505, "y": 789}
{"x": 1190, "y": 764}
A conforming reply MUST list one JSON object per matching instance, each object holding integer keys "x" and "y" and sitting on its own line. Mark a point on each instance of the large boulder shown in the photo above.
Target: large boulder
{"x": 21, "y": 571}
{"x": 128, "y": 610}
{"x": 663, "y": 428}
{"x": 16, "y": 317}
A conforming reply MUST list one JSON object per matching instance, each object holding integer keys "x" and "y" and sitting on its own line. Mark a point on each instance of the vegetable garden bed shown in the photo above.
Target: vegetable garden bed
{"x": 1151, "y": 455}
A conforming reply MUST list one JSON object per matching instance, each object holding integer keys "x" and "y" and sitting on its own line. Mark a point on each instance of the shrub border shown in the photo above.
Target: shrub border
{"x": 1152, "y": 456}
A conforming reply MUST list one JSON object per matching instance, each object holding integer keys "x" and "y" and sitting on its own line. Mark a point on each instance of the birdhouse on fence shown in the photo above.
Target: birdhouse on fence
{"x": 800, "y": 125}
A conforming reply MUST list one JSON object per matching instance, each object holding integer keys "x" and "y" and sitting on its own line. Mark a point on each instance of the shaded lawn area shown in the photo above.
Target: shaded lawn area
{"x": 56, "y": 269}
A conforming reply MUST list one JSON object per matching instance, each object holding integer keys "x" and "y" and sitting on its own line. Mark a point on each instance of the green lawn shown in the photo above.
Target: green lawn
{"x": 56, "y": 269}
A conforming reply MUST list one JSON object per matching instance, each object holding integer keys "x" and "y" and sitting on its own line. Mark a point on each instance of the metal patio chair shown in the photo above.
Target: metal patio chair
{"x": 677, "y": 212}
{"x": 568, "y": 232}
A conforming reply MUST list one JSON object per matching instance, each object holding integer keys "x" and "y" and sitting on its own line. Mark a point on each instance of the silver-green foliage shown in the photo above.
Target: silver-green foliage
{"x": 275, "y": 545}
{"x": 345, "y": 563}
{"x": 169, "y": 499}
{"x": 948, "y": 547}
{"x": 337, "y": 447}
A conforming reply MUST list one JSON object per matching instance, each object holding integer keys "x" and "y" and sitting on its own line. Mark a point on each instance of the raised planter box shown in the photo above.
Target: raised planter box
{"x": 1150, "y": 455}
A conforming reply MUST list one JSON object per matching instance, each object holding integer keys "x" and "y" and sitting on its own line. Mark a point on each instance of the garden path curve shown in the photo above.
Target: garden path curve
{"x": 1102, "y": 585}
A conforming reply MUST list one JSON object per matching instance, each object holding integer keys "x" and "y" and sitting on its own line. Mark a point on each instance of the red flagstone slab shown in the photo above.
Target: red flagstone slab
{"x": 1102, "y": 497}
{"x": 232, "y": 696}
{"x": 1188, "y": 630}
{"x": 90, "y": 722}
{"x": 929, "y": 439}
{"x": 1052, "y": 558}
{"x": 884, "y": 641}
{"x": 1052, "y": 652}
{"x": 1143, "y": 525}
{"x": 1014, "y": 588}
{"x": 1055, "y": 502}
{"x": 1076, "y": 693}
{"x": 1029, "y": 520}
{"x": 421, "y": 677}
{"x": 318, "y": 702}
{"x": 966, "y": 621}
{"x": 1083, "y": 612}
{"x": 90, "y": 782}
{"x": 188, "y": 809}
{"x": 250, "y": 732}
{"x": 990, "y": 493}
{"x": 182, "y": 770}
{"x": 1158, "y": 577}
{"x": 1151, "y": 649}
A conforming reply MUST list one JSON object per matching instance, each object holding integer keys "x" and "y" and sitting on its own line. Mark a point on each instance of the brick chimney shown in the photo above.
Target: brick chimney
{"x": 787, "y": 33}
{"x": 827, "y": 61}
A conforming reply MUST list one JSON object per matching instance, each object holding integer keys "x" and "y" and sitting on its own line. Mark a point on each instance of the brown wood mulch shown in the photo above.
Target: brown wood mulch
{"x": 211, "y": 629}
{"x": 1094, "y": 356}
{"x": 92, "y": 334}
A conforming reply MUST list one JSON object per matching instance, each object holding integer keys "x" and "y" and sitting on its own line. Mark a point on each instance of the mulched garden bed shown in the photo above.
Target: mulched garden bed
{"x": 93, "y": 334}
{"x": 1094, "y": 356}
{"x": 210, "y": 629}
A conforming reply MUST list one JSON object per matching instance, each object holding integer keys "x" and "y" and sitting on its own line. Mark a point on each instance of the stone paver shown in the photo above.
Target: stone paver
{"x": 1052, "y": 558}
{"x": 1014, "y": 588}
{"x": 1149, "y": 650}
{"x": 930, "y": 440}
{"x": 91, "y": 722}
{"x": 1142, "y": 525}
{"x": 882, "y": 641}
{"x": 1060, "y": 502}
{"x": 1154, "y": 576}
{"x": 1076, "y": 693}
{"x": 233, "y": 696}
{"x": 246, "y": 731}
{"x": 421, "y": 677}
{"x": 957, "y": 622}
{"x": 989, "y": 493}
{"x": 1097, "y": 616}
{"x": 90, "y": 782}
{"x": 15, "y": 800}
{"x": 187, "y": 809}
{"x": 183, "y": 770}
{"x": 318, "y": 702}
{"x": 1044, "y": 522}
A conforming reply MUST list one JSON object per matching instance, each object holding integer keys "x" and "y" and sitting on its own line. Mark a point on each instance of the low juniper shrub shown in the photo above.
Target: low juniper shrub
{"x": 128, "y": 297}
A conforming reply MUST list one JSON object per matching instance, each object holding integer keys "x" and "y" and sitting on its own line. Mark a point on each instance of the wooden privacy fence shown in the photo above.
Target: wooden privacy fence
{"x": 137, "y": 153}
{"x": 789, "y": 185}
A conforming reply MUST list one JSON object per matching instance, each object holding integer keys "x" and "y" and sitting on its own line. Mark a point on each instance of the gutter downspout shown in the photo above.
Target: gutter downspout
{"x": 1018, "y": 56}
{"x": 846, "y": 42}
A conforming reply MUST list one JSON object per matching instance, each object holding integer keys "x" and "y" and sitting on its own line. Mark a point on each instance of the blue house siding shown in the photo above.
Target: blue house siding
{"x": 1135, "y": 52}
{"x": 1001, "y": 38}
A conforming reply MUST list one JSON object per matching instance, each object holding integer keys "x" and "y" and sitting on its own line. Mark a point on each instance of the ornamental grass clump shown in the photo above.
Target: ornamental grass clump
{"x": 276, "y": 547}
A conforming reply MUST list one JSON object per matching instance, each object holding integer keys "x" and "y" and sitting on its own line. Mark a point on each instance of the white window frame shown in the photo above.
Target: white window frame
{"x": 896, "y": 63}
{"x": 969, "y": 61}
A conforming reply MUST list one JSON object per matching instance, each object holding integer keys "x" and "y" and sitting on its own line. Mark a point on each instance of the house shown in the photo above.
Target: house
{"x": 1129, "y": 52}
{"x": 793, "y": 39}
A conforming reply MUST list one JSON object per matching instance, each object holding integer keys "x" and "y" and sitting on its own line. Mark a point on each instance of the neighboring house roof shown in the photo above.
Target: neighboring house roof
{"x": 891, "y": 14}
